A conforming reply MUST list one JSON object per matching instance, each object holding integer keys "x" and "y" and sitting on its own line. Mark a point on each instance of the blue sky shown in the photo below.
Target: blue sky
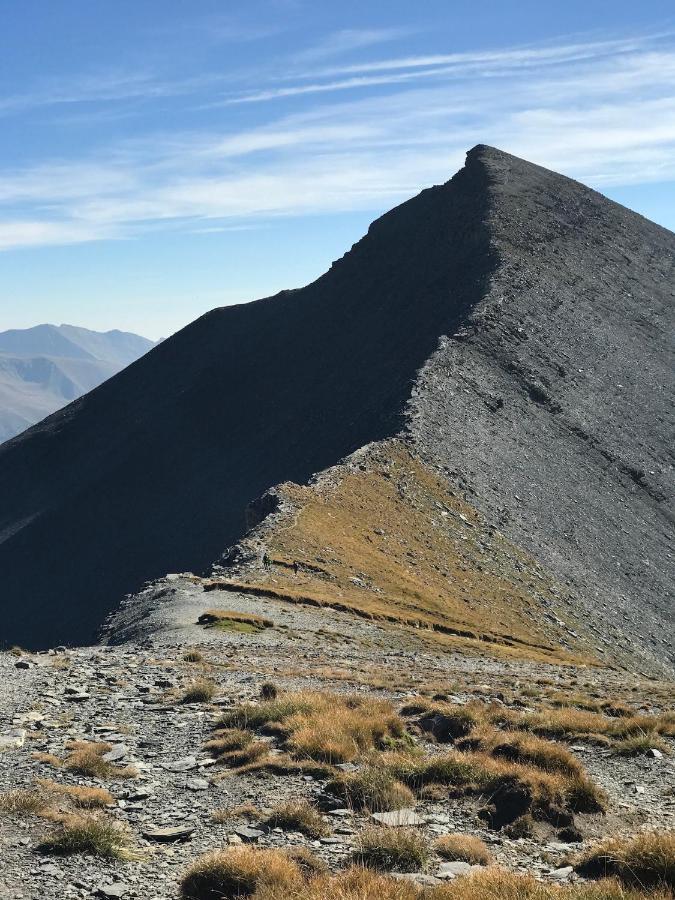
{"x": 159, "y": 158}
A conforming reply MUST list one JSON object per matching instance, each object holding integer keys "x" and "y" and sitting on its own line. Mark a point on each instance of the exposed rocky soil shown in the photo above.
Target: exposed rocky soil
{"x": 126, "y": 695}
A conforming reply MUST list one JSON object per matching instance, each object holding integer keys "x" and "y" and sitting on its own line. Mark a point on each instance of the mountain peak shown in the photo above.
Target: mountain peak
{"x": 506, "y": 324}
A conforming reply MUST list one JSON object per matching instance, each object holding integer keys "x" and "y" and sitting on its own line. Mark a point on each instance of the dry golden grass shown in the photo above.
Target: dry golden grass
{"x": 89, "y": 834}
{"x": 463, "y": 847}
{"x": 79, "y": 796}
{"x": 49, "y": 759}
{"x": 392, "y": 849}
{"x": 193, "y": 656}
{"x": 86, "y": 758}
{"x": 230, "y": 620}
{"x": 498, "y": 884}
{"x": 239, "y": 872}
{"x": 372, "y": 788}
{"x": 420, "y": 548}
{"x": 356, "y": 883}
{"x": 322, "y": 726}
{"x": 640, "y": 743}
{"x": 298, "y": 815}
{"x": 228, "y": 740}
{"x": 646, "y": 860}
{"x": 23, "y": 802}
{"x": 242, "y": 811}
{"x": 202, "y": 690}
{"x": 513, "y": 788}
{"x": 251, "y": 755}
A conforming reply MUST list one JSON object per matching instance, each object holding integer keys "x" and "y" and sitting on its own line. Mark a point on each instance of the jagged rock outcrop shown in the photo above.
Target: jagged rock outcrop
{"x": 464, "y": 316}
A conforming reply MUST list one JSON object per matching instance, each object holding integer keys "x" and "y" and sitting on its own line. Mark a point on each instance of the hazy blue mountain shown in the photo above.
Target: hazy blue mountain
{"x": 45, "y": 367}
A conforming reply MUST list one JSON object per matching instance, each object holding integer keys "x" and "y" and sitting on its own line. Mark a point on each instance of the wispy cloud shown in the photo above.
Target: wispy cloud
{"x": 346, "y": 41}
{"x": 602, "y": 112}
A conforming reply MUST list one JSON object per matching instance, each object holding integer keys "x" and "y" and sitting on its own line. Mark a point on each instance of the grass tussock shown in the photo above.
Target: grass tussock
{"x": 372, "y": 788}
{"x": 81, "y": 797}
{"x": 641, "y": 743}
{"x": 230, "y": 620}
{"x": 323, "y": 726}
{"x": 193, "y": 656}
{"x": 239, "y": 872}
{"x": 243, "y": 811}
{"x": 228, "y": 740}
{"x": 298, "y": 815}
{"x": 357, "y": 883}
{"x": 202, "y": 690}
{"x": 498, "y": 884}
{"x": 86, "y": 758}
{"x": 88, "y": 834}
{"x": 22, "y": 802}
{"x": 646, "y": 860}
{"x": 512, "y": 789}
{"x": 463, "y": 848}
{"x": 392, "y": 849}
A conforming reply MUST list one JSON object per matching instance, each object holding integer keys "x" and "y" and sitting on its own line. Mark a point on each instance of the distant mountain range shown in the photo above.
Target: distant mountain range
{"x": 45, "y": 367}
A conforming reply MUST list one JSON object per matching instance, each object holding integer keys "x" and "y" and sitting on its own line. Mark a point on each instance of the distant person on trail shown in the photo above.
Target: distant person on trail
{"x": 296, "y": 567}
{"x": 267, "y": 562}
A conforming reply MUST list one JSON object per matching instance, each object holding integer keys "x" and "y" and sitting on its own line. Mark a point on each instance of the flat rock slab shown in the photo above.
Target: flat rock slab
{"x": 398, "y": 818}
{"x": 197, "y": 784}
{"x": 247, "y": 834}
{"x": 172, "y": 833}
{"x": 119, "y": 751}
{"x": 112, "y": 891}
{"x": 181, "y": 765}
{"x": 13, "y": 739}
{"x": 451, "y": 870}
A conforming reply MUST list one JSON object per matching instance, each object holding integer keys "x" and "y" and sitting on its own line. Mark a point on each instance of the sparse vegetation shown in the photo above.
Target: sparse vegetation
{"x": 200, "y": 691}
{"x": 356, "y": 883}
{"x": 373, "y": 788}
{"x": 641, "y": 743}
{"x": 80, "y": 796}
{"x": 94, "y": 835}
{"x": 498, "y": 884}
{"x": 22, "y": 802}
{"x": 392, "y": 849}
{"x": 646, "y": 860}
{"x": 193, "y": 656}
{"x": 243, "y": 811}
{"x": 269, "y": 691}
{"x": 228, "y": 740}
{"x": 86, "y": 758}
{"x": 323, "y": 726}
{"x": 298, "y": 815}
{"x": 463, "y": 847}
{"x": 239, "y": 872}
{"x": 230, "y": 620}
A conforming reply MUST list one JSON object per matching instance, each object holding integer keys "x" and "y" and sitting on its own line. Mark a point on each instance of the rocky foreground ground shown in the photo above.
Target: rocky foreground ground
{"x": 132, "y": 698}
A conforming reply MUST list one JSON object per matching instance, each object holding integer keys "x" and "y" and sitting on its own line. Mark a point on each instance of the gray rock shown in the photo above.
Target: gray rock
{"x": 449, "y": 870}
{"x": 197, "y": 784}
{"x": 562, "y": 874}
{"x": 181, "y": 765}
{"x": 170, "y": 833}
{"x": 248, "y": 834}
{"x": 398, "y": 817}
{"x": 119, "y": 751}
{"x": 12, "y": 739}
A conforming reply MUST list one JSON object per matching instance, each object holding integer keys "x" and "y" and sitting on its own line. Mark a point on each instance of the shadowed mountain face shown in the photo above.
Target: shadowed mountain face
{"x": 153, "y": 470}
{"x": 43, "y": 368}
{"x": 536, "y": 282}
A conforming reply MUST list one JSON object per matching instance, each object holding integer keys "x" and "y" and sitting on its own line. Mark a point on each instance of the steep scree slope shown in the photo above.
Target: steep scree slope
{"x": 153, "y": 470}
{"x": 554, "y": 403}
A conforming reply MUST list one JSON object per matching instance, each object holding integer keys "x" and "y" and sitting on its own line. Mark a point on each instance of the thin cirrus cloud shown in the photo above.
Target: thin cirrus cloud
{"x": 602, "y": 112}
